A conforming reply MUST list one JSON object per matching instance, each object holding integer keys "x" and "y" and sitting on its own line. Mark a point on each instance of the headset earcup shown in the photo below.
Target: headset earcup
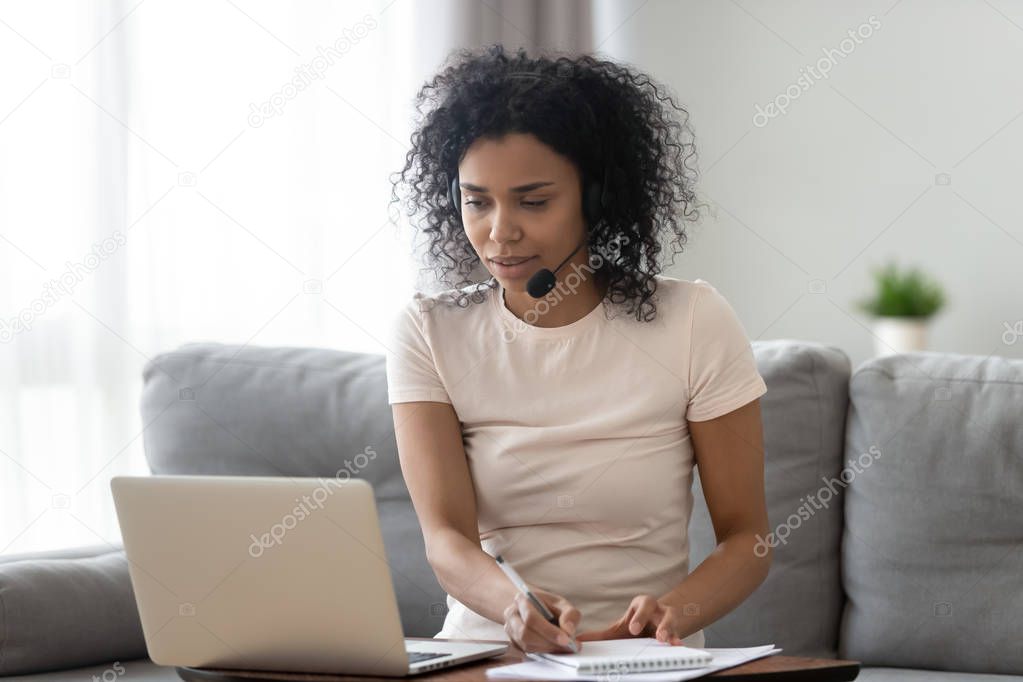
{"x": 453, "y": 196}
{"x": 592, "y": 203}
{"x": 605, "y": 189}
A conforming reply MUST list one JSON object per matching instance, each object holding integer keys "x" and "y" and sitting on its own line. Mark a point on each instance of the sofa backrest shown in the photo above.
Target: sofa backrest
{"x": 233, "y": 410}
{"x": 932, "y": 554}
{"x": 221, "y": 409}
{"x": 799, "y": 606}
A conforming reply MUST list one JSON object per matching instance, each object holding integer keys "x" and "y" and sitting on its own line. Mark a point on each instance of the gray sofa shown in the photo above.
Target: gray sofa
{"x": 895, "y": 496}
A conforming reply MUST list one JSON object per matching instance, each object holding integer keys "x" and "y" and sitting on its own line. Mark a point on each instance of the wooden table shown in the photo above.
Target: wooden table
{"x": 776, "y": 668}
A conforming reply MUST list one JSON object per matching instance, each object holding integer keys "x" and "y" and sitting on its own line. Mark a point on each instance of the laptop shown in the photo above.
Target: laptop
{"x": 268, "y": 573}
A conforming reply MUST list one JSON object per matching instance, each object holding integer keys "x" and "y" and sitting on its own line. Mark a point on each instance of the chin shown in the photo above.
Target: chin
{"x": 516, "y": 285}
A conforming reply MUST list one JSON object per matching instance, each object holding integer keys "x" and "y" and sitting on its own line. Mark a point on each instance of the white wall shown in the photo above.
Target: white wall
{"x": 847, "y": 177}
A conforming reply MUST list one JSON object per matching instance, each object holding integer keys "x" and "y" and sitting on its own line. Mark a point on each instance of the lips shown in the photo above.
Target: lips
{"x": 509, "y": 260}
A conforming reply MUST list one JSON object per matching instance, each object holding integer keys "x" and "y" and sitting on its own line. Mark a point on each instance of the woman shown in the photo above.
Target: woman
{"x": 560, "y": 427}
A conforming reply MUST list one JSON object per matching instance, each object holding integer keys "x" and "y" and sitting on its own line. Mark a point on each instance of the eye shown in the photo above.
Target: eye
{"x": 530, "y": 204}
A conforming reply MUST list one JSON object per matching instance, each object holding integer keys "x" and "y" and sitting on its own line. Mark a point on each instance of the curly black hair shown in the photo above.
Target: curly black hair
{"x": 612, "y": 121}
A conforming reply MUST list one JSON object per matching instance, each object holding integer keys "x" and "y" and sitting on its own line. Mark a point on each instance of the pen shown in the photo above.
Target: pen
{"x": 540, "y": 606}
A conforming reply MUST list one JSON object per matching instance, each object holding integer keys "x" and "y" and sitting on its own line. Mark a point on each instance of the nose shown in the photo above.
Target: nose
{"x": 503, "y": 228}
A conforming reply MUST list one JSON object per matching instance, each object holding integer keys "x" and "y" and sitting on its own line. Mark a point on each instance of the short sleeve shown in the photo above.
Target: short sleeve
{"x": 412, "y": 374}
{"x": 723, "y": 373}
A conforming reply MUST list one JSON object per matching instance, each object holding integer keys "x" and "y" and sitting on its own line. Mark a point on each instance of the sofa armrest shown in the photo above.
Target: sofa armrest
{"x": 67, "y": 609}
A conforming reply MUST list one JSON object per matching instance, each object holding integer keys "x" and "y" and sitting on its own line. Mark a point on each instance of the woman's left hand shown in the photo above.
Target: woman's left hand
{"x": 645, "y": 617}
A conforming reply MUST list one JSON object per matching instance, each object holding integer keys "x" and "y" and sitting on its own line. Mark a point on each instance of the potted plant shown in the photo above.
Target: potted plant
{"x": 902, "y": 307}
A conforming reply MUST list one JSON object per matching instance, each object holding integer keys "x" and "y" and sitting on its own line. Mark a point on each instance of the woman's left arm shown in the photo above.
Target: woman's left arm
{"x": 729, "y": 452}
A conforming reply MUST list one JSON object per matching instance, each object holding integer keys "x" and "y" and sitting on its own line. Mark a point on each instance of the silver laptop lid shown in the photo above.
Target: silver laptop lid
{"x": 261, "y": 573}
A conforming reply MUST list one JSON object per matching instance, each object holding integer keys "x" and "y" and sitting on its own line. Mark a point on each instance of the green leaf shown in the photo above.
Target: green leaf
{"x": 903, "y": 293}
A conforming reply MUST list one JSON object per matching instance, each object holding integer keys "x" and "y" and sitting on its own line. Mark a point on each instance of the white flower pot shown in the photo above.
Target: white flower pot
{"x": 899, "y": 335}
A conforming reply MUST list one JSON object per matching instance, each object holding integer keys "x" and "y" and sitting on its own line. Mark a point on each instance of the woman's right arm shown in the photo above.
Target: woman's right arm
{"x": 436, "y": 471}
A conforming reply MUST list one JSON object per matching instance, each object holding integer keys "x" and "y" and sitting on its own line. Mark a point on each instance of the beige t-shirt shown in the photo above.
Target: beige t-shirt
{"x": 577, "y": 436}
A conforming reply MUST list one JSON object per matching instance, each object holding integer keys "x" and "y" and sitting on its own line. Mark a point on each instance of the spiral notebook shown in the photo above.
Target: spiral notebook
{"x": 633, "y": 655}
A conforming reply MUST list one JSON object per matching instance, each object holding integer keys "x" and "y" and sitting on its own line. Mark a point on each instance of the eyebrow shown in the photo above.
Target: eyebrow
{"x": 521, "y": 189}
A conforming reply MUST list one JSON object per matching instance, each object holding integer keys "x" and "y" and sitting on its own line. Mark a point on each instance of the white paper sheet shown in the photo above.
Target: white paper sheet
{"x": 635, "y": 650}
{"x": 723, "y": 658}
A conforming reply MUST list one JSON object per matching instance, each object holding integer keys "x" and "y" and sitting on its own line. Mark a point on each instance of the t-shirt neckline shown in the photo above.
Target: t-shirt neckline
{"x": 516, "y": 326}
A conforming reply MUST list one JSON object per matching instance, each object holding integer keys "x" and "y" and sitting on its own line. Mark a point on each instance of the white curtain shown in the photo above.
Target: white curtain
{"x": 163, "y": 179}
{"x": 196, "y": 171}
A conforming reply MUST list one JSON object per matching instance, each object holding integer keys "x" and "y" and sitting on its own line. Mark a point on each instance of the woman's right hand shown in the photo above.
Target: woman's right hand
{"x": 528, "y": 629}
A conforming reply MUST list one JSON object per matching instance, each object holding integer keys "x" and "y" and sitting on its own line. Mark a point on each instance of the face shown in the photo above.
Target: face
{"x": 521, "y": 200}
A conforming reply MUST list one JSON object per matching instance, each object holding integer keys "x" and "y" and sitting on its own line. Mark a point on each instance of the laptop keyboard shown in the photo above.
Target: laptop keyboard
{"x": 417, "y": 656}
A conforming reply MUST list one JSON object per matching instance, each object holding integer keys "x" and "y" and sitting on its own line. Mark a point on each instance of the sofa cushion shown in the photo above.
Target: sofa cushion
{"x": 60, "y": 611}
{"x": 798, "y": 607}
{"x": 237, "y": 410}
{"x": 933, "y": 543}
{"x": 138, "y": 670}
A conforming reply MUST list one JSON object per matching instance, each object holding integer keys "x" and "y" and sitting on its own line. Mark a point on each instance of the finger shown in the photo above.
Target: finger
{"x": 666, "y": 627}
{"x": 568, "y": 616}
{"x": 527, "y": 639}
{"x": 542, "y": 641}
{"x": 513, "y": 627}
{"x": 523, "y": 638}
{"x": 534, "y": 622}
{"x": 644, "y": 613}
